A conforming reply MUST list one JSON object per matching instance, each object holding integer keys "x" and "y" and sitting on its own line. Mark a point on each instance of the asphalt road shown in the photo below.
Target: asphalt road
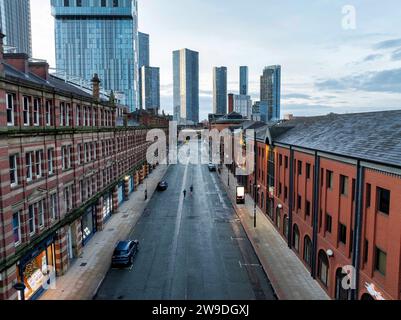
{"x": 190, "y": 249}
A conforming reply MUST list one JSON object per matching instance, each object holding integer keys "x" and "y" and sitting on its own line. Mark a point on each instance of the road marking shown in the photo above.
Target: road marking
{"x": 219, "y": 193}
{"x": 249, "y": 264}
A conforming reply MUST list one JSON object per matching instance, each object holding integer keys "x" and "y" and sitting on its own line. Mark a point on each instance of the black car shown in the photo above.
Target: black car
{"x": 125, "y": 252}
{"x": 211, "y": 167}
{"x": 162, "y": 186}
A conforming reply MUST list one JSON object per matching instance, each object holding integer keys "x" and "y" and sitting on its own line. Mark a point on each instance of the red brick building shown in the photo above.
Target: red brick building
{"x": 66, "y": 164}
{"x": 335, "y": 196}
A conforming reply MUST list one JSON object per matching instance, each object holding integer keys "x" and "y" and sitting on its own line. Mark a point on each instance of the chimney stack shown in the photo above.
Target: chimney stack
{"x": 96, "y": 87}
{"x": 40, "y": 68}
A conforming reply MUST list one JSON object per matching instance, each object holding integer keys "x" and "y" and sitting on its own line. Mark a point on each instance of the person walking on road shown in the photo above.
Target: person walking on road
{"x": 185, "y": 193}
{"x": 192, "y": 189}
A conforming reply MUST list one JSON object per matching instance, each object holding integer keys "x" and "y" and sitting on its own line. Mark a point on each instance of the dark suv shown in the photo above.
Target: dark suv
{"x": 125, "y": 252}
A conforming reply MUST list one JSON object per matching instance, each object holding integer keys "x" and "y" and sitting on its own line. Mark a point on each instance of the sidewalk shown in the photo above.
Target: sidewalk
{"x": 289, "y": 277}
{"x": 87, "y": 272}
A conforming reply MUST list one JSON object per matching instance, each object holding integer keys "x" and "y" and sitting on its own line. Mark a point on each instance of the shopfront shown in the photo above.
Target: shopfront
{"x": 132, "y": 183}
{"x": 88, "y": 224}
{"x": 120, "y": 193}
{"x": 107, "y": 206}
{"x": 34, "y": 269}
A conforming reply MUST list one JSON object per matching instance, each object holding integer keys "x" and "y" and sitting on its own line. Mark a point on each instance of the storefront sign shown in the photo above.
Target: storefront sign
{"x": 240, "y": 195}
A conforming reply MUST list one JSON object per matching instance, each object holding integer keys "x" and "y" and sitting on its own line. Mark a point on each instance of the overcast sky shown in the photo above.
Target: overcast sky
{"x": 325, "y": 67}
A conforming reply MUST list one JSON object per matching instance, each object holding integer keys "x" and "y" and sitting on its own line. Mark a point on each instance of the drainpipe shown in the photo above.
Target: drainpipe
{"x": 316, "y": 211}
{"x": 291, "y": 197}
{"x": 356, "y": 253}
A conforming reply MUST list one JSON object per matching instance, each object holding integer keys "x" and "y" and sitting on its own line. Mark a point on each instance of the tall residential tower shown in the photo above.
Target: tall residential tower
{"x": 270, "y": 91}
{"x": 243, "y": 80}
{"x": 186, "y": 86}
{"x": 15, "y": 23}
{"x": 99, "y": 37}
{"x": 220, "y": 90}
{"x": 150, "y": 88}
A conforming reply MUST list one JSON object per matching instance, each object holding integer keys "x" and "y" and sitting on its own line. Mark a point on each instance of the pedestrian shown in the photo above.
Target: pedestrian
{"x": 192, "y": 189}
{"x": 185, "y": 193}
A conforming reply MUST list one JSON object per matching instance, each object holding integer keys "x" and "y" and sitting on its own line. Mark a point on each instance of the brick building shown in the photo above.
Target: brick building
{"x": 66, "y": 164}
{"x": 331, "y": 185}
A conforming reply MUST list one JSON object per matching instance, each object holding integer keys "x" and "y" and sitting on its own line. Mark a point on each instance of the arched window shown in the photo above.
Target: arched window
{"x": 323, "y": 267}
{"x": 270, "y": 209}
{"x": 341, "y": 292}
{"x": 295, "y": 238}
{"x": 308, "y": 251}
{"x": 286, "y": 227}
{"x": 262, "y": 200}
{"x": 278, "y": 217}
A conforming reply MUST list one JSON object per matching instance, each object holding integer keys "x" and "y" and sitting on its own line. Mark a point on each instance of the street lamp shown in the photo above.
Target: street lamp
{"x": 257, "y": 188}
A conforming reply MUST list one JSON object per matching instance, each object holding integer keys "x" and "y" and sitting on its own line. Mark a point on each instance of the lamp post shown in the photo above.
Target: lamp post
{"x": 256, "y": 187}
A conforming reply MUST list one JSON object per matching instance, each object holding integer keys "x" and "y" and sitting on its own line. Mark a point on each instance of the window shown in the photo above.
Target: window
{"x": 41, "y": 214}
{"x": 68, "y": 198}
{"x": 10, "y": 109}
{"x": 366, "y": 251}
{"x": 299, "y": 167}
{"x": 36, "y": 106}
{"x": 279, "y": 188}
{"x": 103, "y": 4}
{"x": 285, "y": 193}
{"x": 344, "y": 185}
{"x": 78, "y": 115}
{"x": 28, "y": 163}
{"x": 329, "y": 179}
{"x": 280, "y": 158}
{"x": 115, "y": 3}
{"x": 295, "y": 239}
{"x": 308, "y": 251}
{"x": 329, "y": 222}
{"x": 38, "y": 163}
{"x": 286, "y": 226}
{"x": 79, "y": 3}
{"x": 50, "y": 159}
{"x": 383, "y": 200}
{"x": 299, "y": 202}
{"x": 67, "y": 114}
{"x": 368, "y": 194}
{"x": 307, "y": 208}
{"x": 53, "y": 206}
{"x": 342, "y": 234}
{"x": 286, "y": 162}
{"x": 13, "y": 170}
{"x": 17, "y": 228}
{"x": 323, "y": 267}
{"x": 48, "y": 113}
{"x": 278, "y": 218}
{"x": 308, "y": 167}
{"x": 25, "y": 111}
{"x": 31, "y": 219}
{"x": 381, "y": 261}
{"x": 66, "y": 3}
{"x": 62, "y": 112}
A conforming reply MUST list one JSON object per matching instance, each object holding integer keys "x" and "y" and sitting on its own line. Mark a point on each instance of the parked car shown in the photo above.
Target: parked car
{"x": 125, "y": 252}
{"x": 162, "y": 186}
{"x": 211, "y": 167}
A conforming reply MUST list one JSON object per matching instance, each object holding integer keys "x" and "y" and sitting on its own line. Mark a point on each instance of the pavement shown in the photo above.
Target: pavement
{"x": 84, "y": 277}
{"x": 289, "y": 277}
{"x": 191, "y": 248}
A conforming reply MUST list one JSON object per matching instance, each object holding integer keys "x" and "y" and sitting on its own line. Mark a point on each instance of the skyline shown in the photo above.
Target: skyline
{"x": 317, "y": 55}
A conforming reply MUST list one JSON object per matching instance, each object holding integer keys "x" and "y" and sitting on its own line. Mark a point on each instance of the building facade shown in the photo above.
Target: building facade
{"x": 186, "y": 86}
{"x": 334, "y": 196}
{"x": 220, "y": 90}
{"x": 243, "y": 105}
{"x": 143, "y": 60}
{"x": 15, "y": 22}
{"x": 66, "y": 164}
{"x": 270, "y": 91}
{"x": 230, "y": 102}
{"x": 99, "y": 37}
{"x": 150, "y": 78}
{"x": 243, "y": 80}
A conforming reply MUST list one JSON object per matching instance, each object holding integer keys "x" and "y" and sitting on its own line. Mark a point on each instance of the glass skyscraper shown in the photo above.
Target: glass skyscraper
{"x": 15, "y": 22}
{"x": 220, "y": 90}
{"x": 270, "y": 91}
{"x": 150, "y": 88}
{"x": 243, "y": 80}
{"x": 186, "y": 86}
{"x": 143, "y": 60}
{"x": 99, "y": 36}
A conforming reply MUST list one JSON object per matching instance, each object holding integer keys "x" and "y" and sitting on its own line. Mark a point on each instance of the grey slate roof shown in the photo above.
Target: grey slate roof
{"x": 373, "y": 136}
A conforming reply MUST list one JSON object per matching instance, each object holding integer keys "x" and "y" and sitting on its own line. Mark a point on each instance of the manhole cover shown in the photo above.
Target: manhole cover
{"x": 83, "y": 264}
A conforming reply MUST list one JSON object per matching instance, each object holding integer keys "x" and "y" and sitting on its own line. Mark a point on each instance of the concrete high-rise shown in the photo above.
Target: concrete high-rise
{"x": 15, "y": 23}
{"x": 99, "y": 37}
{"x": 270, "y": 91}
{"x": 220, "y": 90}
{"x": 243, "y": 80}
{"x": 186, "y": 85}
{"x": 143, "y": 60}
{"x": 243, "y": 105}
{"x": 150, "y": 88}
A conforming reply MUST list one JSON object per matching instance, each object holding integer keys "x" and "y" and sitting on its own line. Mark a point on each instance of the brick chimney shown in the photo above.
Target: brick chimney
{"x": 18, "y": 60}
{"x": 96, "y": 87}
{"x": 40, "y": 68}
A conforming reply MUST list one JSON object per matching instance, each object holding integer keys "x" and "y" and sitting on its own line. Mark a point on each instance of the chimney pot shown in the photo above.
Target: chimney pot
{"x": 96, "y": 87}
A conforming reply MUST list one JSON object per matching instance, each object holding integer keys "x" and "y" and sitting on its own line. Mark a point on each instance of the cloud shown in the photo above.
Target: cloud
{"x": 396, "y": 55}
{"x": 297, "y": 96}
{"x": 381, "y": 81}
{"x": 388, "y": 44}
{"x": 372, "y": 57}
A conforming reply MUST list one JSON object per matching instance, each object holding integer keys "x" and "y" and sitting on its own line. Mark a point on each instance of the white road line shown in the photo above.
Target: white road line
{"x": 219, "y": 193}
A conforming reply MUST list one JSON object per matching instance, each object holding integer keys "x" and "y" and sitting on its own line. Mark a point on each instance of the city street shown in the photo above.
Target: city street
{"x": 192, "y": 248}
